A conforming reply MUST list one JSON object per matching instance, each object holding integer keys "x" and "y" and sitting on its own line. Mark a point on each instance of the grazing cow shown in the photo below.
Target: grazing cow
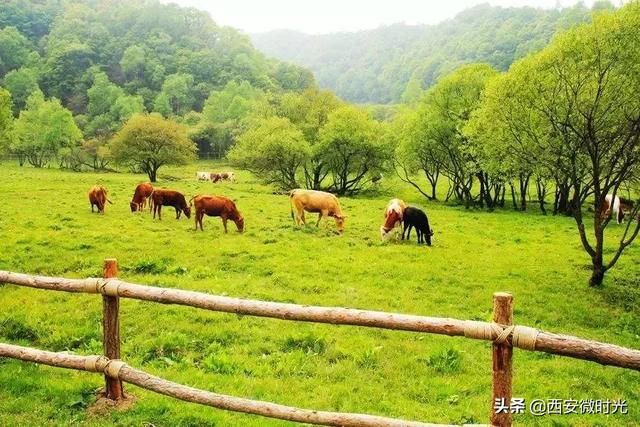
{"x": 202, "y": 176}
{"x": 414, "y": 217}
{"x": 326, "y": 204}
{"x": 140, "y": 196}
{"x": 228, "y": 176}
{"x": 164, "y": 197}
{"x": 215, "y": 177}
{"x": 217, "y": 206}
{"x": 98, "y": 197}
{"x": 392, "y": 217}
{"x": 616, "y": 207}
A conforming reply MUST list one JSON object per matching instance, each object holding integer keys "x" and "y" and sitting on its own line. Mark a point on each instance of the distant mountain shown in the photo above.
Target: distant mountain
{"x": 378, "y": 66}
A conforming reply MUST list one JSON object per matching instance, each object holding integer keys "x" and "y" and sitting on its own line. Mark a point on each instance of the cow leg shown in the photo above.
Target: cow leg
{"x": 160, "y": 212}
{"x": 224, "y": 222}
{"x": 200, "y": 220}
{"x": 319, "y": 218}
{"x": 405, "y": 229}
{"x": 409, "y": 232}
{"x": 91, "y": 207}
{"x": 303, "y": 221}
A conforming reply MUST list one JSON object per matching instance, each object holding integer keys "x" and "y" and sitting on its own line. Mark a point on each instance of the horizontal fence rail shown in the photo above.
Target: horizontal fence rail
{"x": 565, "y": 345}
{"x": 121, "y": 371}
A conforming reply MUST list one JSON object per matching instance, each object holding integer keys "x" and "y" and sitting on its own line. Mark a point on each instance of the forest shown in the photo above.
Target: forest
{"x": 391, "y": 64}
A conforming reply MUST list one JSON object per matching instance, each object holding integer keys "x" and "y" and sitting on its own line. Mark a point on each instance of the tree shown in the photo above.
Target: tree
{"x": 273, "y": 149}
{"x": 442, "y": 115}
{"x": 42, "y": 129}
{"x": 351, "y": 146}
{"x": 109, "y": 107}
{"x": 309, "y": 111}
{"x": 148, "y": 142}
{"x": 14, "y": 49}
{"x": 418, "y": 150}
{"x": 6, "y": 121}
{"x": 21, "y": 83}
{"x": 175, "y": 97}
{"x": 579, "y": 98}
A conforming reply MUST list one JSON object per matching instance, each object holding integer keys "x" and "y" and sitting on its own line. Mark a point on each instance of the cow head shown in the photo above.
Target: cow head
{"x": 134, "y": 206}
{"x": 428, "y": 237}
{"x": 239, "y": 223}
{"x": 340, "y": 222}
{"x": 187, "y": 211}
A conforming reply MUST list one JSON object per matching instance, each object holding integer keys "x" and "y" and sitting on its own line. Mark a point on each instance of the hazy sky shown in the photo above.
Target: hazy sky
{"x": 325, "y": 16}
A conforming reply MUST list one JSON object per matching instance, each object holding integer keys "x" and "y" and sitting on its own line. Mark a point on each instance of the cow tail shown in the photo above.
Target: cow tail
{"x": 191, "y": 200}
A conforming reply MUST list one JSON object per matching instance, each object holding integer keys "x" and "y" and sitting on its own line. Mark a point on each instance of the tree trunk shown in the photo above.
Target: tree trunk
{"x": 153, "y": 173}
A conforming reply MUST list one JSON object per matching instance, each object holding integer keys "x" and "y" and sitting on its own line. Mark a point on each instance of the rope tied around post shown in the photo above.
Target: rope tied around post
{"x": 113, "y": 367}
{"x": 521, "y": 336}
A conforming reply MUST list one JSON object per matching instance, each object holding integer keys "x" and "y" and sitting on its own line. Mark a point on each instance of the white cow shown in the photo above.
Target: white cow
{"x": 202, "y": 176}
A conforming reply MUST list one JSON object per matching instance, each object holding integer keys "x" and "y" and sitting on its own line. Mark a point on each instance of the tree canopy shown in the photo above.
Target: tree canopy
{"x": 148, "y": 142}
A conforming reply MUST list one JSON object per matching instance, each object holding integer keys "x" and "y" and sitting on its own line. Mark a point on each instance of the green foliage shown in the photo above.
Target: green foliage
{"x": 175, "y": 97}
{"x": 385, "y": 65}
{"x": 172, "y": 57}
{"x": 148, "y": 142}
{"x": 42, "y": 129}
{"x": 14, "y": 49}
{"x": 6, "y": 121}
{"x": 21, "y": 83}
{"x": 573, "y": 111}
{"x": 352, "y": 149}
{"x": 274, "y": 149}
{"x": 109, "y": 106}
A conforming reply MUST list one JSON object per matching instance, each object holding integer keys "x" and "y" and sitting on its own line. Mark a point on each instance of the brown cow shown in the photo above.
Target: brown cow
{"x": 215, "y": 177}
{"x": 392, "y": 216}
{"x": 98, "y": 197}
{"x": 326, "y": 204}
{"x": 163, "y": 197}
{"x": 217, "y": 206}
{"x": 222, "y": 176}
{"x": 140, "y": 196}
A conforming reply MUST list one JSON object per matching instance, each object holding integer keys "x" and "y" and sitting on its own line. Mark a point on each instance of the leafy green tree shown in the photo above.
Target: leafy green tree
{"x": 274, "y": 150}
{"x": 351, "y": 146}
{"x": 42, "y": 129}
{"x": 64, "y": 74}
{"x": 419, "y": 150}
{"x": 147, "y": 142}
{"x": 442, "y": 114}
{"x": 21, "y": 83}
{"x": 309, "y": 111}
{"x": 133, "y": 62}
{"x": 14, "y": 49}
{"x": 224, "y": 112}
{"x": 578, "y": 98}
{"x": 6, "y": 121}
{"x": 175, "y": 97}
{"x": 109, "y": 106}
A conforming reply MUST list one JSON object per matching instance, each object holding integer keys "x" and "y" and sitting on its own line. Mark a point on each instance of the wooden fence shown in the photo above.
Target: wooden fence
{"x": 501, "y": 332}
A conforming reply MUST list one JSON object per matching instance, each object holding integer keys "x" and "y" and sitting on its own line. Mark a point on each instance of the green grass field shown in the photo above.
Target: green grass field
{"x": 46, "y": 227}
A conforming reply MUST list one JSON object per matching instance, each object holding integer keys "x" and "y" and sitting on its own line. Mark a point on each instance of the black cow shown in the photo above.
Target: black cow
{"x": 414, "y": 217}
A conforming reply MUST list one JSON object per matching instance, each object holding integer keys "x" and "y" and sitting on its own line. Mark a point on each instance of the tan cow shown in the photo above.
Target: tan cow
{"x": 326, "y": 204}
{"x": 98, "y": 197}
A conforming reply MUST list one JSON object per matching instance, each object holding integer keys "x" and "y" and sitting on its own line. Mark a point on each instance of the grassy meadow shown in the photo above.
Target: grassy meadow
{"x": 46, "y": 227}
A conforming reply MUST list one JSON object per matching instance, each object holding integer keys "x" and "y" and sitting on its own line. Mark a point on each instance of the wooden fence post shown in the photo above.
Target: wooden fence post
{"x": 111, "y": 331}
{"x": 502, "y": 314}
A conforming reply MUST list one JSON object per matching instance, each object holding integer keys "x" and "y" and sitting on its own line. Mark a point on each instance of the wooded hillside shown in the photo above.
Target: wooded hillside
{"x": 393, "y": 63}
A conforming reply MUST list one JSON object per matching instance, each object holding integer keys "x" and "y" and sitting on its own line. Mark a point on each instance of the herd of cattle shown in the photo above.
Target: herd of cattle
{"x": 396, "y": 214}
{"x": 326, "y": 205}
